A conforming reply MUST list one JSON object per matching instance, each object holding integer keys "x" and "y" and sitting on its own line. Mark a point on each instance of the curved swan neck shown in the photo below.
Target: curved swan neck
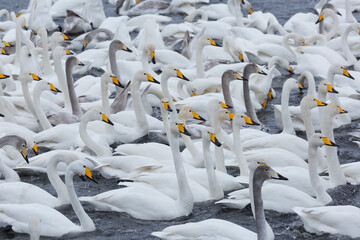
{"x": 185, "y": 197}
{"x": 38, "y": 89}
{"x": 113, "y": 64}
{"x": 215, "y": 189}
{"x": 99, "y": 151}
{"x": 194, "y": 151}
{"x": 27, "y": 97}
{"x": 248, "y": 104}
{"x": 311, "y": 82}
{"x": 345, "y": 46}
{"x": 334, "y": 26}
{"x": 225, "y": 84}
{"x": 86, "y": 223}
{"x": 55, "y": 180}
{"x": 9, "y": 174}
{"x": 75, "y": 106}
{"x": 193, "y": 14}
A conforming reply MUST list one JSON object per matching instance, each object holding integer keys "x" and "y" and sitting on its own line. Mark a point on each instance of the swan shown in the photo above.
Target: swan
{"x": 144, "y": 202}
{"x": 76, "y": 23}
{"x": 104, "y": 34}
{"x": 53, "y": 223}
{"x": 222, "y": 229}
{"x": 291, "y": 197}
{"x": 336, "y": 176}
{"x": 38, "y": 89}
{"x": 24, "y": 193}
{"x": 330, "y": 219}
{"x": 18, "y": 143}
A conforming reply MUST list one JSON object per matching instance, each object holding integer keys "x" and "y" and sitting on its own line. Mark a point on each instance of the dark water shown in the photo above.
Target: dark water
{"x": 111, "y": 225}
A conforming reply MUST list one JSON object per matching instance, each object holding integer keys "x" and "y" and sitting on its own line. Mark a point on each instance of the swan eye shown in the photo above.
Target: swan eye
{"x": 266, "y": 169}
{"x": 84, "y": 166}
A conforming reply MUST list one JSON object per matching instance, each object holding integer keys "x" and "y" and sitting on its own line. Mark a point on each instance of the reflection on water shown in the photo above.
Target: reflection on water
{"x": 112, "y": 225}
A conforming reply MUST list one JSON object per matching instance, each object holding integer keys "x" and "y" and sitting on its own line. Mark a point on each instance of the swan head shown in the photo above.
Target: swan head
{"x": 182, "y": 129}
{"x": 265, "y": 172}
{"x": 172, "y": 71}
{"x": 165, "y": 103}
{"x": 208, "y": 134}
{"x": 346, "y": 73}
{"x": 95, "y": 114}
{"x": 225, "y": 106}
{"x": 188, "y": 113}
{"x": 60, "y": 51}
{"x": 224, "y": 114}
{"x": 16, "y": 142}
{"x": 318, "y": 140}
{"x": 242, "y": 119}
{"x": 326, "y": 87}
{"x": 143, "y": 76}
{"x": 231, "y": 74}
{"x": 111, "y": 78}
{"x": 83, "y": 168}
{"x": 311, "y": 102}
{"x": 250, "y": 69}
{"x": 119, "y": 45}
{"x": 326, "y": 13}
{"x": 150, "y": 49}
{"x": 29, "y": 76}
{"x": 206, "y": 41}
{"x": 333, "y": 109}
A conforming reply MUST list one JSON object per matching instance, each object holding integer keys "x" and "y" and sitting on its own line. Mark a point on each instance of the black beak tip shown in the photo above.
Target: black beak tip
{"x": 26, "y": 159}
{"x": 153, "y": 60}
{"x": 256, "y": 124}
{"x": 317, "y": 22}
{"x": 169, "y": 109}
{"x": 217, "y": 143}
{"x": 82, "y": 178}
{"x": 92, "y": 179}
{"x": 2, "y": 115}
{"x": 128, "y": 50}
{"x": 83, "y": 48}
{"x": 156, "y": 81}
{"x": 81, "y": 64}
{"x": 230, "y": 107}
{"x": 338, "y": 13}
{"x": 111, "y": 123}
{"x": 351, "y": 77}
{"x": 281, "y": 177}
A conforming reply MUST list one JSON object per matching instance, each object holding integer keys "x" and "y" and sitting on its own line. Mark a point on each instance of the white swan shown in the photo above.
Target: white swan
{"x": 331, "y": 219}
{"x": 24, "y": 193}
{"x": 53, "y": 223}
{"x": 144, "y": 202}
{"x": 221, "y": 229}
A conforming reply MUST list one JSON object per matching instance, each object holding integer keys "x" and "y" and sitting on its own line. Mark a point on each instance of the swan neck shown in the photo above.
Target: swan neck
{"x": 86, "y": 224}
{"x": 238, "y": 150}
{"x": 185, "y": 198}
{"x": 27, "y": 97}
{"x": 306, "y": 114}
{"x": 334, "y": 26}
{"x": 225, "y": 84}
{"x": 9, "y": 174}
{"x": 215, "y": 189}
{"x": 39, "y": 112}
{"x": 199, "y": 65}
{"x": 248, "y": 104}
{"x": 104, "y": 96}
{"x": 44, "y": 42}
{"x": 99, "y": 151}
{"x": 195, "y": 153}
{"x": 318, "y": 188}
{"x": 259, "y": 209}
{"x": 345, "y": 46}
{"x": 55, "y": 180}
{"x": 59, "y": 70}
{"x": 285, "y": 112}
{"x": 75, "y": 106}
{"x": 141, "y": 121}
